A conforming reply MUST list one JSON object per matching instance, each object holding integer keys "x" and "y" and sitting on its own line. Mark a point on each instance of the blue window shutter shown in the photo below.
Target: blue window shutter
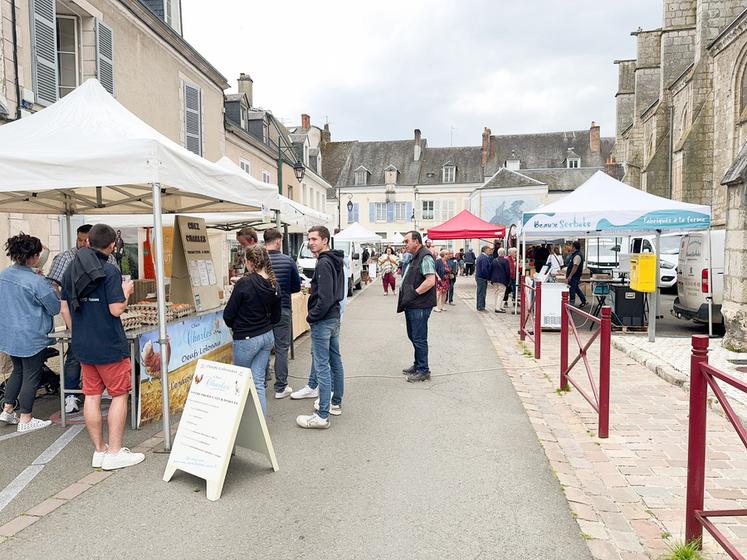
{"x": 390, "y": 212}
{"x": 351, "y": 213}
{"x": 371, "y": 212}
{"x": 356, "y": 212}
{"x": 105, "y": 56}
{"x": 44, "y": 50}
{"x": 408, "y": 211}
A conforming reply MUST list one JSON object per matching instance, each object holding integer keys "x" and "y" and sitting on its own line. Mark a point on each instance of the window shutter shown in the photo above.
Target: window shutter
{"x": 390, "y": 212}
{"x": 193, "y": 119}
{"x": 356, "y": 212}
{"x": 408, "y": 211}
{"x": 371, "y": 212}
{"x": 44, "y": 50}
{"x": 105, "y": 56}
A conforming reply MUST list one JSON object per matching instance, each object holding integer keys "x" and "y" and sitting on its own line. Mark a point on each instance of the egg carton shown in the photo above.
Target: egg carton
{"x": 182, "y": 309}
{"x": 131, "y": 321}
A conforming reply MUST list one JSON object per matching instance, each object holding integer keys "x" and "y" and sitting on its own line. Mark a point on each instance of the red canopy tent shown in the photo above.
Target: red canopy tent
{"x": 466, "y": 225}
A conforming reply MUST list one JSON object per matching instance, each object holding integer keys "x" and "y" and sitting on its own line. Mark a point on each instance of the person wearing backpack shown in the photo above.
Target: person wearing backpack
{"x": 252, "y": 311}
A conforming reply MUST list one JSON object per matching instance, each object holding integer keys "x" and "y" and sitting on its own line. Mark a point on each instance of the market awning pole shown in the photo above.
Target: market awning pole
{"x": 653, "y": 301}
{"x": 161, "y": 295}
{"x": 710, "y": 286}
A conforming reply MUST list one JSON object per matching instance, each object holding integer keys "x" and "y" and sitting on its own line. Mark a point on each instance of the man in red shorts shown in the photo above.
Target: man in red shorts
{"x": 93, "y": 297}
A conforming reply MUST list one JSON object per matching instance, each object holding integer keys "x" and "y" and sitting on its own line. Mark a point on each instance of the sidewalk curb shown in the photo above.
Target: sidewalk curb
{"x": 653, "y": 363}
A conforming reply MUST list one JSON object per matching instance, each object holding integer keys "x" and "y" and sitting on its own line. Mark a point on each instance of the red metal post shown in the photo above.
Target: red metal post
{"x": 537, "y": 318}
{"x": 522, "y": 308}
{"x": 696, "y": 438}
{"x": 605, "y": 347}
{"x": 563, "y": 340}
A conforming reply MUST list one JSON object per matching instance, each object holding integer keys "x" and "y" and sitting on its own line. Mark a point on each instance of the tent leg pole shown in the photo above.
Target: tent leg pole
{"x": 68, "y": 232}
{"x": 710, "y": 286}
{"x": 161, "y": 295}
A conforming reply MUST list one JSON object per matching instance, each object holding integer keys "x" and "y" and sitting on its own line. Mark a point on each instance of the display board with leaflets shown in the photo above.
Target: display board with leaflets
{"x": 193, "y": 276}
{"x": 222, "y": 410}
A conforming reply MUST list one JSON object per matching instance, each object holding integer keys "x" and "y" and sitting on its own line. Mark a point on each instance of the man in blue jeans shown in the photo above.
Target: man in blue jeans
{"x": 575, "y": 269}
{"x": 482, "y": 276}
{"x": 327, "y": 291}
{"x": 417, "y": 298}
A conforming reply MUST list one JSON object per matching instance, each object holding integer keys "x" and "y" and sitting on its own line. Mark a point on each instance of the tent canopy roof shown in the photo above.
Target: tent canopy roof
{"x": 466, "y": 225}
{"x": 87, "y": 154}
{"x": 356, "y": 232}
{"x": 605, "y": 205}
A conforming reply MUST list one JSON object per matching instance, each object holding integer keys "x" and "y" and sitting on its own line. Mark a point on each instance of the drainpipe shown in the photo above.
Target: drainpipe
{"x": 15, "y": 57}
{"x": 671, "y": 146}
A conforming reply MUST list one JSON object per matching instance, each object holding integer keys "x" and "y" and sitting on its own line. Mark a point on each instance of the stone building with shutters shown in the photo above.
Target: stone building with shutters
{"x": 395, "y": 186}
{"x": 682, "y": 126}
{"x": 135, "y": 53}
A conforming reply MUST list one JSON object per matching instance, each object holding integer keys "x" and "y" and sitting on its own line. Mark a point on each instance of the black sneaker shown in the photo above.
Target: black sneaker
{"x": 408, "y": 371}
{"x": 419, "y": 376}
{"x": 582, "y": 305}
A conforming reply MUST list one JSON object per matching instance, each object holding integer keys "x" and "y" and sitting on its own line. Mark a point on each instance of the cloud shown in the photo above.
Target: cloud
{"x": 377, "y": 70}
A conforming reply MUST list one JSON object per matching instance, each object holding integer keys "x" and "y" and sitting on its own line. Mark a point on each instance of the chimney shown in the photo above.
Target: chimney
{"x": 246, "y": 85}
{"x": 595, "y": 142}
{"x": 326, "y": 134}
{"x": 485, "y": 146}
{"x": 417, "y": 148}
{"x": 305, "y": 121}
{"x": 492, "y": 147}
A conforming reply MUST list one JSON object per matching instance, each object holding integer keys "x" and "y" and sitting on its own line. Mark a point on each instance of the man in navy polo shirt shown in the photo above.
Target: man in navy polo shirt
{"x": 93, "y": 297}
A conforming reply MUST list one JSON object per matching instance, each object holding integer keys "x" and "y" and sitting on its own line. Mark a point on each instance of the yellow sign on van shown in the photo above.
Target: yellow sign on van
{"x": 643, "y": 272}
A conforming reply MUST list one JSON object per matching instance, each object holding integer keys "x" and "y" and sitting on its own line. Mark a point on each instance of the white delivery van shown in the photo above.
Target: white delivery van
{"x": 695, "y": 280}
{"x": 306, "y": 262}
{"x": 605, "y": 254}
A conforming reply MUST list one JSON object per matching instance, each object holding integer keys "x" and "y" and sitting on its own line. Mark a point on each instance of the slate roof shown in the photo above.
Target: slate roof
{"x": 232, "y": 97}
{"x": 546, "y": 150}
{"x": 737, "y": 172}
{"x": 374, "y": 156}
{"x": 561, "y": 179}
{"x": 507, "y": 178}
{"x": 465, "y": 159}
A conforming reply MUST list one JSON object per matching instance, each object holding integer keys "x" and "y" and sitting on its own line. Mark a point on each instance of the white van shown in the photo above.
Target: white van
{"x": 604, "y": 254}
{"x": 695, "y": 280}
{"x": 306, "y": 262}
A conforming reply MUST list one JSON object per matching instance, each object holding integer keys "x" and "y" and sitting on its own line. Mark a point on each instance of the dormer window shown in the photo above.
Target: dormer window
{"x": 390, "y": 175}
{"x": 244, "y": 120}
{"x": 572, "y": 159}
{"x": 361, "y": 177}
{"x": 448, "y": 173}
{"x": 513, "y": 163}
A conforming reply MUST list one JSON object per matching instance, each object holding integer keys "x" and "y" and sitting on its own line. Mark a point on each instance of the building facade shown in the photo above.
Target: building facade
{"x": 396, "y": 186}
{"x": 681, "y": 126}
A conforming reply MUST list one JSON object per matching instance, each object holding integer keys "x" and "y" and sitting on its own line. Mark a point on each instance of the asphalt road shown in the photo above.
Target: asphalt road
{"x": 449, "y": 468}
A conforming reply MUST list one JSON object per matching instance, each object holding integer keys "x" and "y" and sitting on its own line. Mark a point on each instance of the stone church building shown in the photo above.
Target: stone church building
{"x": 682, "y": 126}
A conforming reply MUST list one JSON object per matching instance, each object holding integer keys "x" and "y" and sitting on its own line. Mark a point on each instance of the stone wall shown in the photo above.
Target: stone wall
{"x": 734, "y": 308}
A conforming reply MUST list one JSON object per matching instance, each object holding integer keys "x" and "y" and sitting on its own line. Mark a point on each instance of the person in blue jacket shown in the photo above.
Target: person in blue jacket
{"x": 500, "y": 278}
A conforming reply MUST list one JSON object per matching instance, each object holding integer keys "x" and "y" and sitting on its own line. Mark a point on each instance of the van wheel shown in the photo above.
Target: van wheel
{"x": 350, "y": 287}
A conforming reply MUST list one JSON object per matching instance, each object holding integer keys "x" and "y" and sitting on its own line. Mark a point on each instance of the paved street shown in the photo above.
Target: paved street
{"x": 446, "y": 469}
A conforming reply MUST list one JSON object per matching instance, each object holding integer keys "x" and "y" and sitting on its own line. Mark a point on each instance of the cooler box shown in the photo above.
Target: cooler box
{"x": 629, "y": 306}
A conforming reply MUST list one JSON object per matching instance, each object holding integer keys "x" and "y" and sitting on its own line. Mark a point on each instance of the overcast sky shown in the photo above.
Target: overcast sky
{"x": 378, "y": 70}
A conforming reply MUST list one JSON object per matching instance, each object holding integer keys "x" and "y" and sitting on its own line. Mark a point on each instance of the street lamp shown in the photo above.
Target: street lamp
{"x": 299, "y": 170}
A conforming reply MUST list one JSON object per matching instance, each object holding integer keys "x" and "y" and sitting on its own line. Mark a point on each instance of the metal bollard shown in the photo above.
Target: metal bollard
{"x": 564, "y": 340}
{"x": 696, "y": 438}
{"x": 604, "y": 371}
{"x": 537, "y": 319}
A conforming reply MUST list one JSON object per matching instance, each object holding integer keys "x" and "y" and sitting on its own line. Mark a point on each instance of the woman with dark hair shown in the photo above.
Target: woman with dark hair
{"x": 29, "y": 304}
{"x": 251, "y": 312}
{"x": 443, "y": 273}
{"x": 388, "y": 265}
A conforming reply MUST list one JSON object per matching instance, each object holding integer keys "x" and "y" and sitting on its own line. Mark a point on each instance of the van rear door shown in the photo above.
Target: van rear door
{"x": 692, "y": 266}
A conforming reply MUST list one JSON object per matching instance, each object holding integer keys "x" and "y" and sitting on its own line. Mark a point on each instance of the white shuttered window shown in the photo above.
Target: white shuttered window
{"x": 44, "y": 50}
{"x": 193, "y": 119}
{"x": 105, "y": 56}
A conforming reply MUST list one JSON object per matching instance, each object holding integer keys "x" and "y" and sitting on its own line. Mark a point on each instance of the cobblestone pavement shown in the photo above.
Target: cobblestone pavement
{"x": 669, "y": 358}
{"x": 628, "y": 491}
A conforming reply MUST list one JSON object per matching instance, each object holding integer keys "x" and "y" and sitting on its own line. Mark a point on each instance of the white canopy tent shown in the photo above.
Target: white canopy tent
{"x": 604, "y": 205}
{"x": 87, "y": 154}
{"x": 291, "y": 212}
{"x": 356, "y": 232}
{"x": 397, "y": 238}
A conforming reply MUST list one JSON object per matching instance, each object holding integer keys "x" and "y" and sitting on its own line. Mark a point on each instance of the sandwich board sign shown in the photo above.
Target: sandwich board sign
{"x": 222, "y": 410}
{"x": 193, "y": 276}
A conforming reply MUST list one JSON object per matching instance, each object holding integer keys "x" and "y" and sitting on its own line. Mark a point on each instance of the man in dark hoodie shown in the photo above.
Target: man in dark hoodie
{"x": 327, "y": 291}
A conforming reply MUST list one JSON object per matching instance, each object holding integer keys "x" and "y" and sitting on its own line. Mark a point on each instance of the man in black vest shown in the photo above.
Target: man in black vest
{"x": 417, "y": 298}
{"x": 574, "y": 269}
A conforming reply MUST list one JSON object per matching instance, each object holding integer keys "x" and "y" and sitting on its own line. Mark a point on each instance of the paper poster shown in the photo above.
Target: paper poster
{"x": 212, "y": 280}
{"x": 194, "y": 273}
{"x": 202, "y": 268}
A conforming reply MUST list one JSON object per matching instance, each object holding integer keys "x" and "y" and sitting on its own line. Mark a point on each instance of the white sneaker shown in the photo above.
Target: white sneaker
{"x": 34, "y": 424}
{"x": 9, "y": 417}
{"x": 123, "y": 458}
{"x": 284, "y": 393}
{"x": 98, "y": 458}
{"x": 334, "y": 409}
{"x": 72, "y": 404}
{"x": 305, "y": 393}
{"x": 312, "y": 421}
